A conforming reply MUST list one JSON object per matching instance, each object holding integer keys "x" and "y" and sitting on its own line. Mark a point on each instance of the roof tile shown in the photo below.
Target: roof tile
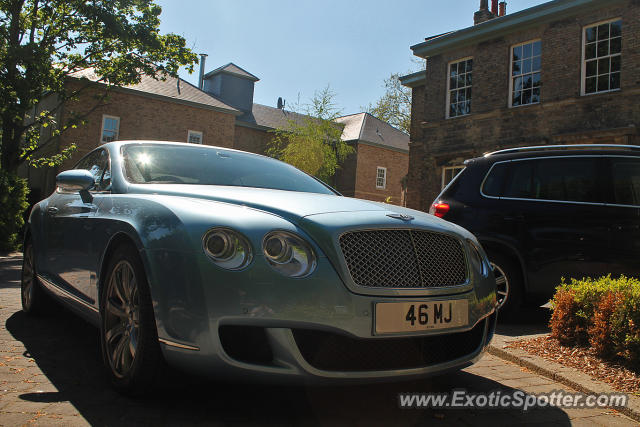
{"x": 367, "y": 128}
{"x": 177, "y": 89}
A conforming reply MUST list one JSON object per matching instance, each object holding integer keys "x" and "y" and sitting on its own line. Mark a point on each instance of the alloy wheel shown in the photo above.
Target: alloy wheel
{"x": 28, "y": 277}
{"x": 502, "y": 284}
{"x": 122, "y": 318}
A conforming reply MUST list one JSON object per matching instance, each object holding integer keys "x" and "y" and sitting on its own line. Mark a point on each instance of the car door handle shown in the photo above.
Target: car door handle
{"x": 52, "y": 210}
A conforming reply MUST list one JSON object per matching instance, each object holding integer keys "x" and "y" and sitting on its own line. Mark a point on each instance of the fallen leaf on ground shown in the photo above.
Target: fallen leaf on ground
{"x": 614, "y": 373}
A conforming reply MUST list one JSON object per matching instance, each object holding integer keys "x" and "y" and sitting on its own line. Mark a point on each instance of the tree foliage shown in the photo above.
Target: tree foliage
{"x": 394, "y": 107}
{"x": 314, "y": 143}
{"x": 43, "y": 42}
{"x": 13, "y": 199}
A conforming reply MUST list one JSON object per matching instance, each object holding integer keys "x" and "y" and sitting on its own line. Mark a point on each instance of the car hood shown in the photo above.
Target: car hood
{"x": 323, "y": 217}
{"x": 288, "y": 204}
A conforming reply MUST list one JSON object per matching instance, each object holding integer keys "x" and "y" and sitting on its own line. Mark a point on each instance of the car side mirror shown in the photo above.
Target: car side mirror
{"x": 80, "y": 180}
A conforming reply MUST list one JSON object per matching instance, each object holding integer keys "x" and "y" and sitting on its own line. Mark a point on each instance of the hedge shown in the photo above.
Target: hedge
{"x": 603, "y": 313}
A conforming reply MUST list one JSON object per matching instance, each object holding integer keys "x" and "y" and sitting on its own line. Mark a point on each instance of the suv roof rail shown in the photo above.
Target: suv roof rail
{"x": 567, "y": 146}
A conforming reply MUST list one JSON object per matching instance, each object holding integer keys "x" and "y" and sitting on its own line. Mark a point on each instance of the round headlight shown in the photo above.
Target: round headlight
{"x": 219, "y": 245}
{"x": 288, "y": 254}
{"x": 278, "y": 250}
{"x": 227, "y": 248}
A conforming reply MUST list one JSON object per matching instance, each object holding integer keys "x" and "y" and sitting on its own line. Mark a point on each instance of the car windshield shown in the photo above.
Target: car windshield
{"x": 173, "y": 164}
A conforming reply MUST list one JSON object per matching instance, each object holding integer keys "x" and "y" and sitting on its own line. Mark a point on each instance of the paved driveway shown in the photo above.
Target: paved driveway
{"x": 50, "y": 374}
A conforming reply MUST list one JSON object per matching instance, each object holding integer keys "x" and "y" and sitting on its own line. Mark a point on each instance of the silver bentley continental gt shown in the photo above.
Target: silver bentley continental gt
{"x": 227, "y": 263}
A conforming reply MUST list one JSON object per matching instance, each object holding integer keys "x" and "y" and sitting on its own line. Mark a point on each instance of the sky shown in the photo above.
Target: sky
{"x": 299, "y": 47}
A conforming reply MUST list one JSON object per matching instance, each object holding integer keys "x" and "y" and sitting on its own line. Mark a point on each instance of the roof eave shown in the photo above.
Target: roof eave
{"x": 222, "y": 70}
{"x": 231, "y": 73}
{"x": 253, "y": 125}
{"x": 551, "y": 11}
{"x": 378, "y": 145}
{"x": 414, "y": 80}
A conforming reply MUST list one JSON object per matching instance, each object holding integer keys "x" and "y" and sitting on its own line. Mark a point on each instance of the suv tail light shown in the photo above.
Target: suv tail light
{"x": 439, "y": 209}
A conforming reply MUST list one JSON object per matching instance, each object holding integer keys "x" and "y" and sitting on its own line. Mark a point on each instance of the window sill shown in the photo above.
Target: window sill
{"x": 525, "y": 105}
{"x": 604, "y": 92}
{"x": 458, "y": 117}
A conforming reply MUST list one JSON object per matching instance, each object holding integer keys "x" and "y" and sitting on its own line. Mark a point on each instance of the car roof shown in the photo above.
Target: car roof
{"x": 558, "y": 150}
{"x": 116, "y": 145}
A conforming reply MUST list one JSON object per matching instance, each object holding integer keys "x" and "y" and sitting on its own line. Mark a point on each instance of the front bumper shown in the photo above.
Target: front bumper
{"x": 264, "y": 326}
{"x": 311, "y": 356}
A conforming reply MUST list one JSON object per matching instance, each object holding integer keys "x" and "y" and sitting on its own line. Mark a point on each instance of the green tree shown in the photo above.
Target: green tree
{"x": 43, "y": 42}
{"x": 394, "y": 107}
{"x": 313, "y": 144}
{"x": 13, "y": 199}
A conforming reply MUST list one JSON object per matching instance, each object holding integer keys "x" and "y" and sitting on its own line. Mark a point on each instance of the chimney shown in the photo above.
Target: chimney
{"x": 203, "y": 58}
{"x": 483, "y": 14}
{"x": 494, "y": 7}
{"x": 503, "y": 8}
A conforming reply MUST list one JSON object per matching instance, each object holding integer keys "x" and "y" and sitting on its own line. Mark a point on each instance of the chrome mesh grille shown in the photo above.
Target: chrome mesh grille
{"x": 403, "y": 259}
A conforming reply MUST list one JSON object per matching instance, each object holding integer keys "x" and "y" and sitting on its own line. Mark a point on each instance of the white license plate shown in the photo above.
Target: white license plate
{"x": 395, "y": 317}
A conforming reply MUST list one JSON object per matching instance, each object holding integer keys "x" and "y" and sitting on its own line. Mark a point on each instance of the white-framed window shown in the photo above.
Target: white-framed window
{"x": 194, "y": 137}
{"x": 381, "y": 177}
{"x": 110, "y": 128}
{"x": 459, "y": 88}
{"x": 601, "y": 57}
{"x": 525, "y": 82}
{"x": 450, "y": 172}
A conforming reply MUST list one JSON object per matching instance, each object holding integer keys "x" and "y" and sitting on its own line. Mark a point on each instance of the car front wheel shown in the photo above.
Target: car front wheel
{"x": 128, "y": 332}
{"x": 509, "y": 287}
{"x": 33, "y": 296}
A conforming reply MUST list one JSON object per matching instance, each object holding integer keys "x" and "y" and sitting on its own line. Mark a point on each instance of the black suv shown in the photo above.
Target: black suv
{"x": 543, "y": 213}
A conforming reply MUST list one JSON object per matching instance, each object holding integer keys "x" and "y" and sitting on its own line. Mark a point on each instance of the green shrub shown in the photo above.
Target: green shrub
{"x": 625, "y": 325}
{"x": 13, "y": 203}
{"x": 603, "y": 312}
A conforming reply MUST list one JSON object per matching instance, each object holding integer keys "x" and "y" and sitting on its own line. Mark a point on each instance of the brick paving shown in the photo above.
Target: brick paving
{"x": 51, "y": 374}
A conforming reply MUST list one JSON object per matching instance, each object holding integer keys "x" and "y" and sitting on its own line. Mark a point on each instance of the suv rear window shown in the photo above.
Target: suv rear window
{"x": 519, "y": 183}
{"x": 494, "y": 183}
{"x": 626, "y": 181}
{"x": 561, "y": 179}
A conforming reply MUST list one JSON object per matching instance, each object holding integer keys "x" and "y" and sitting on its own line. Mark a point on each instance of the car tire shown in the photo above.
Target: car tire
{"x": 128, "y": 334}
{"x": 34, "y": 299}
{"x": 509, "y": 285}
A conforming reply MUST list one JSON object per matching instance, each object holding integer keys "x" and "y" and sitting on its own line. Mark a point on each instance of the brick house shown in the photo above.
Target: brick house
{"x": 378, "y": 168}
{"x": 223, "y": 114}
{"x": 563, "y": 72}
